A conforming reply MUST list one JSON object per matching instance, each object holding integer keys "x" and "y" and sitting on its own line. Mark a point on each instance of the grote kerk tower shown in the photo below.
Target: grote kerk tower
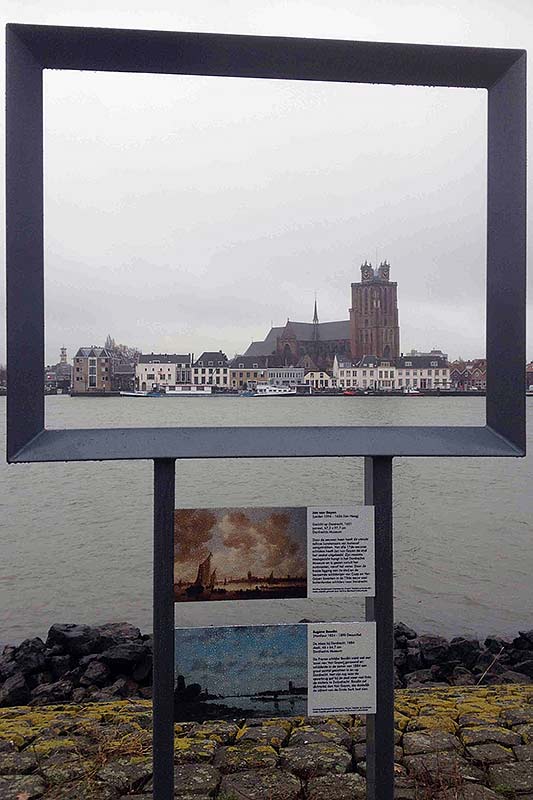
{"x": 374, "y": 328}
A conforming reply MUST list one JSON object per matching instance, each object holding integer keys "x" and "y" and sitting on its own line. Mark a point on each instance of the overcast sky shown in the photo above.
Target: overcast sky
{"x": 187, "y": 213}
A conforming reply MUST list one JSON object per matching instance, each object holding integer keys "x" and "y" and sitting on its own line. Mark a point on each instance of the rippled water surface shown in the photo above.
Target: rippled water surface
{"x": 76, "y": 539}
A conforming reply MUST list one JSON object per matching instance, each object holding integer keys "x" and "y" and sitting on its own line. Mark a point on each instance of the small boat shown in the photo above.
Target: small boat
{"x": 411, "y": 390}
{"x": 141, "y": 394}
{"x": 180, "y": 390}
{"x": 270, "y": 390}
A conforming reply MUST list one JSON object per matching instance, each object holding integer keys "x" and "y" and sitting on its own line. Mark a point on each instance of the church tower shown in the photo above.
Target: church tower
{"x": 374, "y": 326}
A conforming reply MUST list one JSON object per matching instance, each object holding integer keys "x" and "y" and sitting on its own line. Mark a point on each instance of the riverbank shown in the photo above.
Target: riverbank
{"x": 80, "y": 663}
{"x": 474, "y": 743}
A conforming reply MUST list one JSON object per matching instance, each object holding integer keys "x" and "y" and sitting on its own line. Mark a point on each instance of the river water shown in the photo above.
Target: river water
{"x": 76, "y": 539}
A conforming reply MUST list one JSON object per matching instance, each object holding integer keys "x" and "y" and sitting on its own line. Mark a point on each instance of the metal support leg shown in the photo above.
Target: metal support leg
{"x": 379, "y": 609}
{"x": 163, "y": 610}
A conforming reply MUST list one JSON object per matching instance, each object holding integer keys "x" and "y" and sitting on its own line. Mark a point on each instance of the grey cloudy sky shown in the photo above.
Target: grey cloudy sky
{"x": 186, "y": 213}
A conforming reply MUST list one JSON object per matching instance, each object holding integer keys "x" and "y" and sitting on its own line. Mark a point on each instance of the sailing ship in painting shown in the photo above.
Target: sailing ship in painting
{"x": 253, "y": 554}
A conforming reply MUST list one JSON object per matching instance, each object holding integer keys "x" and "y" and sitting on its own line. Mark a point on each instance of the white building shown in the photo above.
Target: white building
{"x": 423, "y": 372}
{"x": 163, "y": 370}
{"x": 211, "y": 369}
{"x": 286, "y": 376}
{"x": 319, "y": 380}
{"x": 430, "y": 371}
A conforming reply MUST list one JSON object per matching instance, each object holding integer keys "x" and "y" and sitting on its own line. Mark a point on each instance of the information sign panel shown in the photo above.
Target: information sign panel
{"x": 245, "y": 671}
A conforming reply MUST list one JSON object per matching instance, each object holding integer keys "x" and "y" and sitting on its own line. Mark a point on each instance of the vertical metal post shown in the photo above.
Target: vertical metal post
{"x": 163, "y": 611}
{"x": 379, "y": 609}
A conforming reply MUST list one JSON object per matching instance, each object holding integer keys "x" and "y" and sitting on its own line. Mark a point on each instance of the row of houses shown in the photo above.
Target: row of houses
{"x": 99, "y": 369}
{"x": 413, "y": 371}
{"x": 165, "y": 370}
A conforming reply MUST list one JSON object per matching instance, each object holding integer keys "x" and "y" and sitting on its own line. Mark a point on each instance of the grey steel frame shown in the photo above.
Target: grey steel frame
{"x": 33, "y": 48}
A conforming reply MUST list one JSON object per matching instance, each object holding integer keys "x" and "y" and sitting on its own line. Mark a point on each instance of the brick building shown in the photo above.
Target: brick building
{"x": 91, "y": 370}
{"x": 374, "y": 326}
{"x": 468, "y": 375}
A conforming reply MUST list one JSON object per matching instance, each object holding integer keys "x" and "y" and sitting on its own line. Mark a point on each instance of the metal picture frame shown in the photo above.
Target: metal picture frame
{"x": 33, "y": 48}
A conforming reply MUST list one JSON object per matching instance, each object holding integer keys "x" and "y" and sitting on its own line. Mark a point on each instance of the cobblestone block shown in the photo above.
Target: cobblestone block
{"x": 313, "y": 760}
{"x": 491, "y": 753}
{"x": 194, "y": 751}
{"x": 444, "y": 767}
{"x": 404, "y": 788}
{"x": 192, "y": 780}
{"x": 526, "y": 732}
{"x": 273, "y": 735}
{"x": 517, "y": 777}
{"x": 328, "y": 732}
{"x": 222, "y": 732}
{"x": 261, "y": 785}
{"x": 517, "y": 716}
{"x": 126, "y": 774}
{"x": 341, "y": 787}
{"x": 238, "y": 759}
{"x": 524, "y": 752}
{"x": 29, "y": 787}
{"x": 496, "y": 734}
{"x": 416, "y": 742}
{"x": 15, "y": 763}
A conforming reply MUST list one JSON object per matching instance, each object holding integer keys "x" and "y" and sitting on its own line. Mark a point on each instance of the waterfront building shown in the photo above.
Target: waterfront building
{"x": 416, "y": 372}
{"x": 245, "y": 372}
{"x": 123, "y": 377}
{"x": 422, "y": 372}
{"x": 286, "y": 376}
{"x": 319, "y": 380}
{"x": 91, "y": 370}
{"x": 374, "y": 325}
{"x": 468, "y": 375}
{"x": 162, "y": 370}
{"x": 369, "y": 372}
{"x": 59, "y": 376}
{"x": 211, "y": 369}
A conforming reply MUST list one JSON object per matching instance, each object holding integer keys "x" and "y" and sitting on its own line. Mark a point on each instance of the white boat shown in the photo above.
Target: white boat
{"x": 180, "y": 390}
{"x": 269, "y": 390}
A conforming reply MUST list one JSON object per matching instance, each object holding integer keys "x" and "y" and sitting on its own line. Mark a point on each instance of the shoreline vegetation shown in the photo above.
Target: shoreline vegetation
{"x": 81, "y": 663}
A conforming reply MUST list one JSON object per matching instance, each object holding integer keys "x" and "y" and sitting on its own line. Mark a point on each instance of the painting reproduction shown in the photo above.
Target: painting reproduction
{"x": 239, "y": 553}
{"x": 239, "y": 672}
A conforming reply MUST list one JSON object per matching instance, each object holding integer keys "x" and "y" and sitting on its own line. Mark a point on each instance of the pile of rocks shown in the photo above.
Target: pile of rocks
{"x": 435, "y": 661}
{"x": 80, "y": 663}
{"x": 77, "y": 663}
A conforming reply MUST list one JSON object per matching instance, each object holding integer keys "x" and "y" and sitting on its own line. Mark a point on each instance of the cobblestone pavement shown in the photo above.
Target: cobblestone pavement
{"x": 451, "y": 743}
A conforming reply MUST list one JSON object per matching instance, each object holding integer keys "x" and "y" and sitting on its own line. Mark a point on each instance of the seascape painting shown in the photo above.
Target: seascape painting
{"x": 240, "y": 672}
{"x": 239, "y": 553}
